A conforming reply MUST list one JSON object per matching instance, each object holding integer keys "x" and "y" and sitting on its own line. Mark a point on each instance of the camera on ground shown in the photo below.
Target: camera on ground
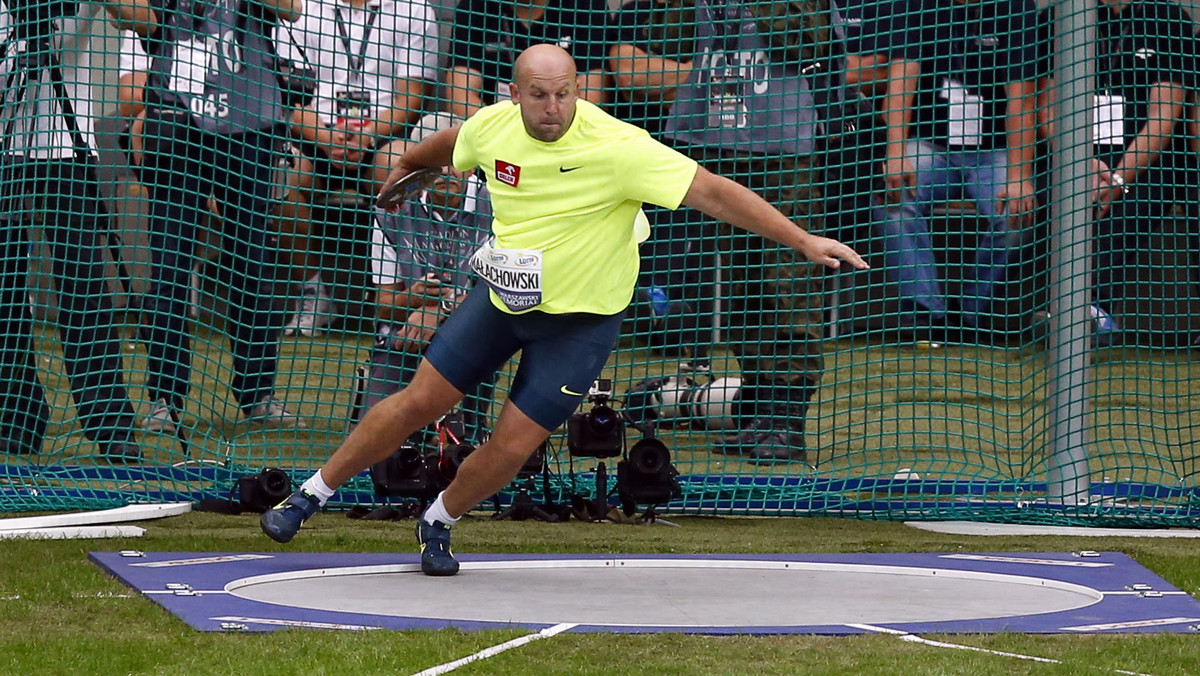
{"x": 598, "y": 432}
{"x": 406, "y": 473}
{"x": 262, "y": 491}
{"x": 646, "y": 476}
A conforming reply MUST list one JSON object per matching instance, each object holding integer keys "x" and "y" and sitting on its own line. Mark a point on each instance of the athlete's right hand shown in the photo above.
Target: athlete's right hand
{"x": 831, "y": 253}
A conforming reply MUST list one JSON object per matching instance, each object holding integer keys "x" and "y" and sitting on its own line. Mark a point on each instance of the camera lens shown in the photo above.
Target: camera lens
{"x": 453, "y": 457}
{"x": 275, "y": 482}
{"x": 649, "y": 459}
{"x": 409, "y": 459}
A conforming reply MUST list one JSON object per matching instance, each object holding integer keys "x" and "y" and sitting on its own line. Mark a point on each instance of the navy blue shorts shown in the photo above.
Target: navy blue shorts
{"x": 560, "y": 354}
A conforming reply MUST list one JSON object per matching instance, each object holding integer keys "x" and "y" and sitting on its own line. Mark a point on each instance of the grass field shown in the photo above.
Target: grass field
{"x": 60, "y": 614}
{"x": 961, "y": 411}
{"x": 957, "y": 413}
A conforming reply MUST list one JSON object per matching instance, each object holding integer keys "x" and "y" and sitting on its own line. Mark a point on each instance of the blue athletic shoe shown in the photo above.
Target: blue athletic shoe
{"x": 283, "y": 521}
{"x": 1106, "y": 328}
{"x": 436, "y": 557}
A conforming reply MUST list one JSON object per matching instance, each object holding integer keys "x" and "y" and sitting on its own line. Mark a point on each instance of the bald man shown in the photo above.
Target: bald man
{"x": 567, "y": 181}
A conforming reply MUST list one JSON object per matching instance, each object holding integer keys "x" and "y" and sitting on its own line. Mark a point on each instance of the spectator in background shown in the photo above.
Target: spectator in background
{"x": 653, "y": 55}
{"x": 488, "y": 35}
{"x": 744, "y": 108}
{"x": 421, "y": 266}
{"x": 214, "y": 112}
{"x": 375, "y": 61}
{"x": 1145, "y": 74}
{"x": 959, "y": 111}
{"x": 48, "y": 181}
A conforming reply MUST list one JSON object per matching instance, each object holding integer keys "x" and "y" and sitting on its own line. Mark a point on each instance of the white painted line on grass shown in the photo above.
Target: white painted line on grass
{"x": 497, "y": 649}
{"x": 913, "y": 638}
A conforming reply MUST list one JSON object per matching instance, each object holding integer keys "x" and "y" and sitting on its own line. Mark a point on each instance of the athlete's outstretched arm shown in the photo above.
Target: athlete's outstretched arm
{"x": 436, "y": 151}
{"x": 737, "y": 205}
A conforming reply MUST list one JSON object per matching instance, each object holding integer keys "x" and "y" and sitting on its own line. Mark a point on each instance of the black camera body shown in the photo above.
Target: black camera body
{"x": 297, "y": 81}
{"x": 647, "y": 476}
{"x": 34, "y": 19}
{"x": 262, "y": 491}
{"x": 598, "y": 432}
{"x": 406, "y": 473}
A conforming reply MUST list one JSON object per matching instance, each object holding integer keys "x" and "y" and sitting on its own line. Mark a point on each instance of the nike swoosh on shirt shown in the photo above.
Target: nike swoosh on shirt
{"x": 565, "y": 390}
{"x": 566, "y": 169}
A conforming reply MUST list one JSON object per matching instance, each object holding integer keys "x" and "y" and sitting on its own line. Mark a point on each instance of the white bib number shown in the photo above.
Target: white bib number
{"x": 190, "y": 68}
{"x": 964, "y": 113}
{"x": 514, "y": 274}
{"x": 1108, "y": 128}
{"x": 729, "y": 75}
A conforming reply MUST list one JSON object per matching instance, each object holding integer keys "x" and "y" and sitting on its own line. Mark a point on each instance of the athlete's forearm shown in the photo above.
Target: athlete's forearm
{"x": 436, "y": 151}
{"x": 733, "y": 203}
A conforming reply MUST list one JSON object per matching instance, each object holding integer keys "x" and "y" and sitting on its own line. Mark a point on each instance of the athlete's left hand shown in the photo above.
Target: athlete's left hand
{"x": 830, "y": 253}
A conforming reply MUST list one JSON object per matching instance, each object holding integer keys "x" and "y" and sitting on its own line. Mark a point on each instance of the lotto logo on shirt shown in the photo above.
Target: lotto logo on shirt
{"x": 508, "y": 174}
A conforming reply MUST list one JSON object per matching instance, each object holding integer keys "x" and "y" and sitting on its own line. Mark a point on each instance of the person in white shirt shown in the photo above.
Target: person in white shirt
{"x": 48, "y": 180}
{"x": 375, "y": 62}
{"x": 420, "y": 266}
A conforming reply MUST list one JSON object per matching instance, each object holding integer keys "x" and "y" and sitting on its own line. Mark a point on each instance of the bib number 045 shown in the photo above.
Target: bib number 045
{"x": 211, "y": 105}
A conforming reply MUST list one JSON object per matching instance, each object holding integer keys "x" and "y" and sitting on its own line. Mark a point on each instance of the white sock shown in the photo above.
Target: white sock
{"x": 437, "y": 512}
{"x": 317, "y": 486}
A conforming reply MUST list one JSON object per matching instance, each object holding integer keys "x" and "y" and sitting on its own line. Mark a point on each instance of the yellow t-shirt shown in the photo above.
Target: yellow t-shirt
{"x": 574, "y": 201}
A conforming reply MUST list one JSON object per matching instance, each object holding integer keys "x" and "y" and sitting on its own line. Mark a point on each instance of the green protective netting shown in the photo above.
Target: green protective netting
{"x": 185, "y": 215}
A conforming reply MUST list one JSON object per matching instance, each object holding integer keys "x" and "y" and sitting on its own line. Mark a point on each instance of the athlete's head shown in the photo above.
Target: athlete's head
{"x": 545, "y": 86}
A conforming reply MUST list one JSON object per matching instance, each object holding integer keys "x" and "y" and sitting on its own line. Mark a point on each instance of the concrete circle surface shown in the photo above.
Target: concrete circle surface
{"x": 669, "y": 592}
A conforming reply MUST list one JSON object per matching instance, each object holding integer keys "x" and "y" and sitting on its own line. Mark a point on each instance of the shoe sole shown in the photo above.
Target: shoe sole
{"x": 269, "y": 532}
{"x": 437, "y": 572}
